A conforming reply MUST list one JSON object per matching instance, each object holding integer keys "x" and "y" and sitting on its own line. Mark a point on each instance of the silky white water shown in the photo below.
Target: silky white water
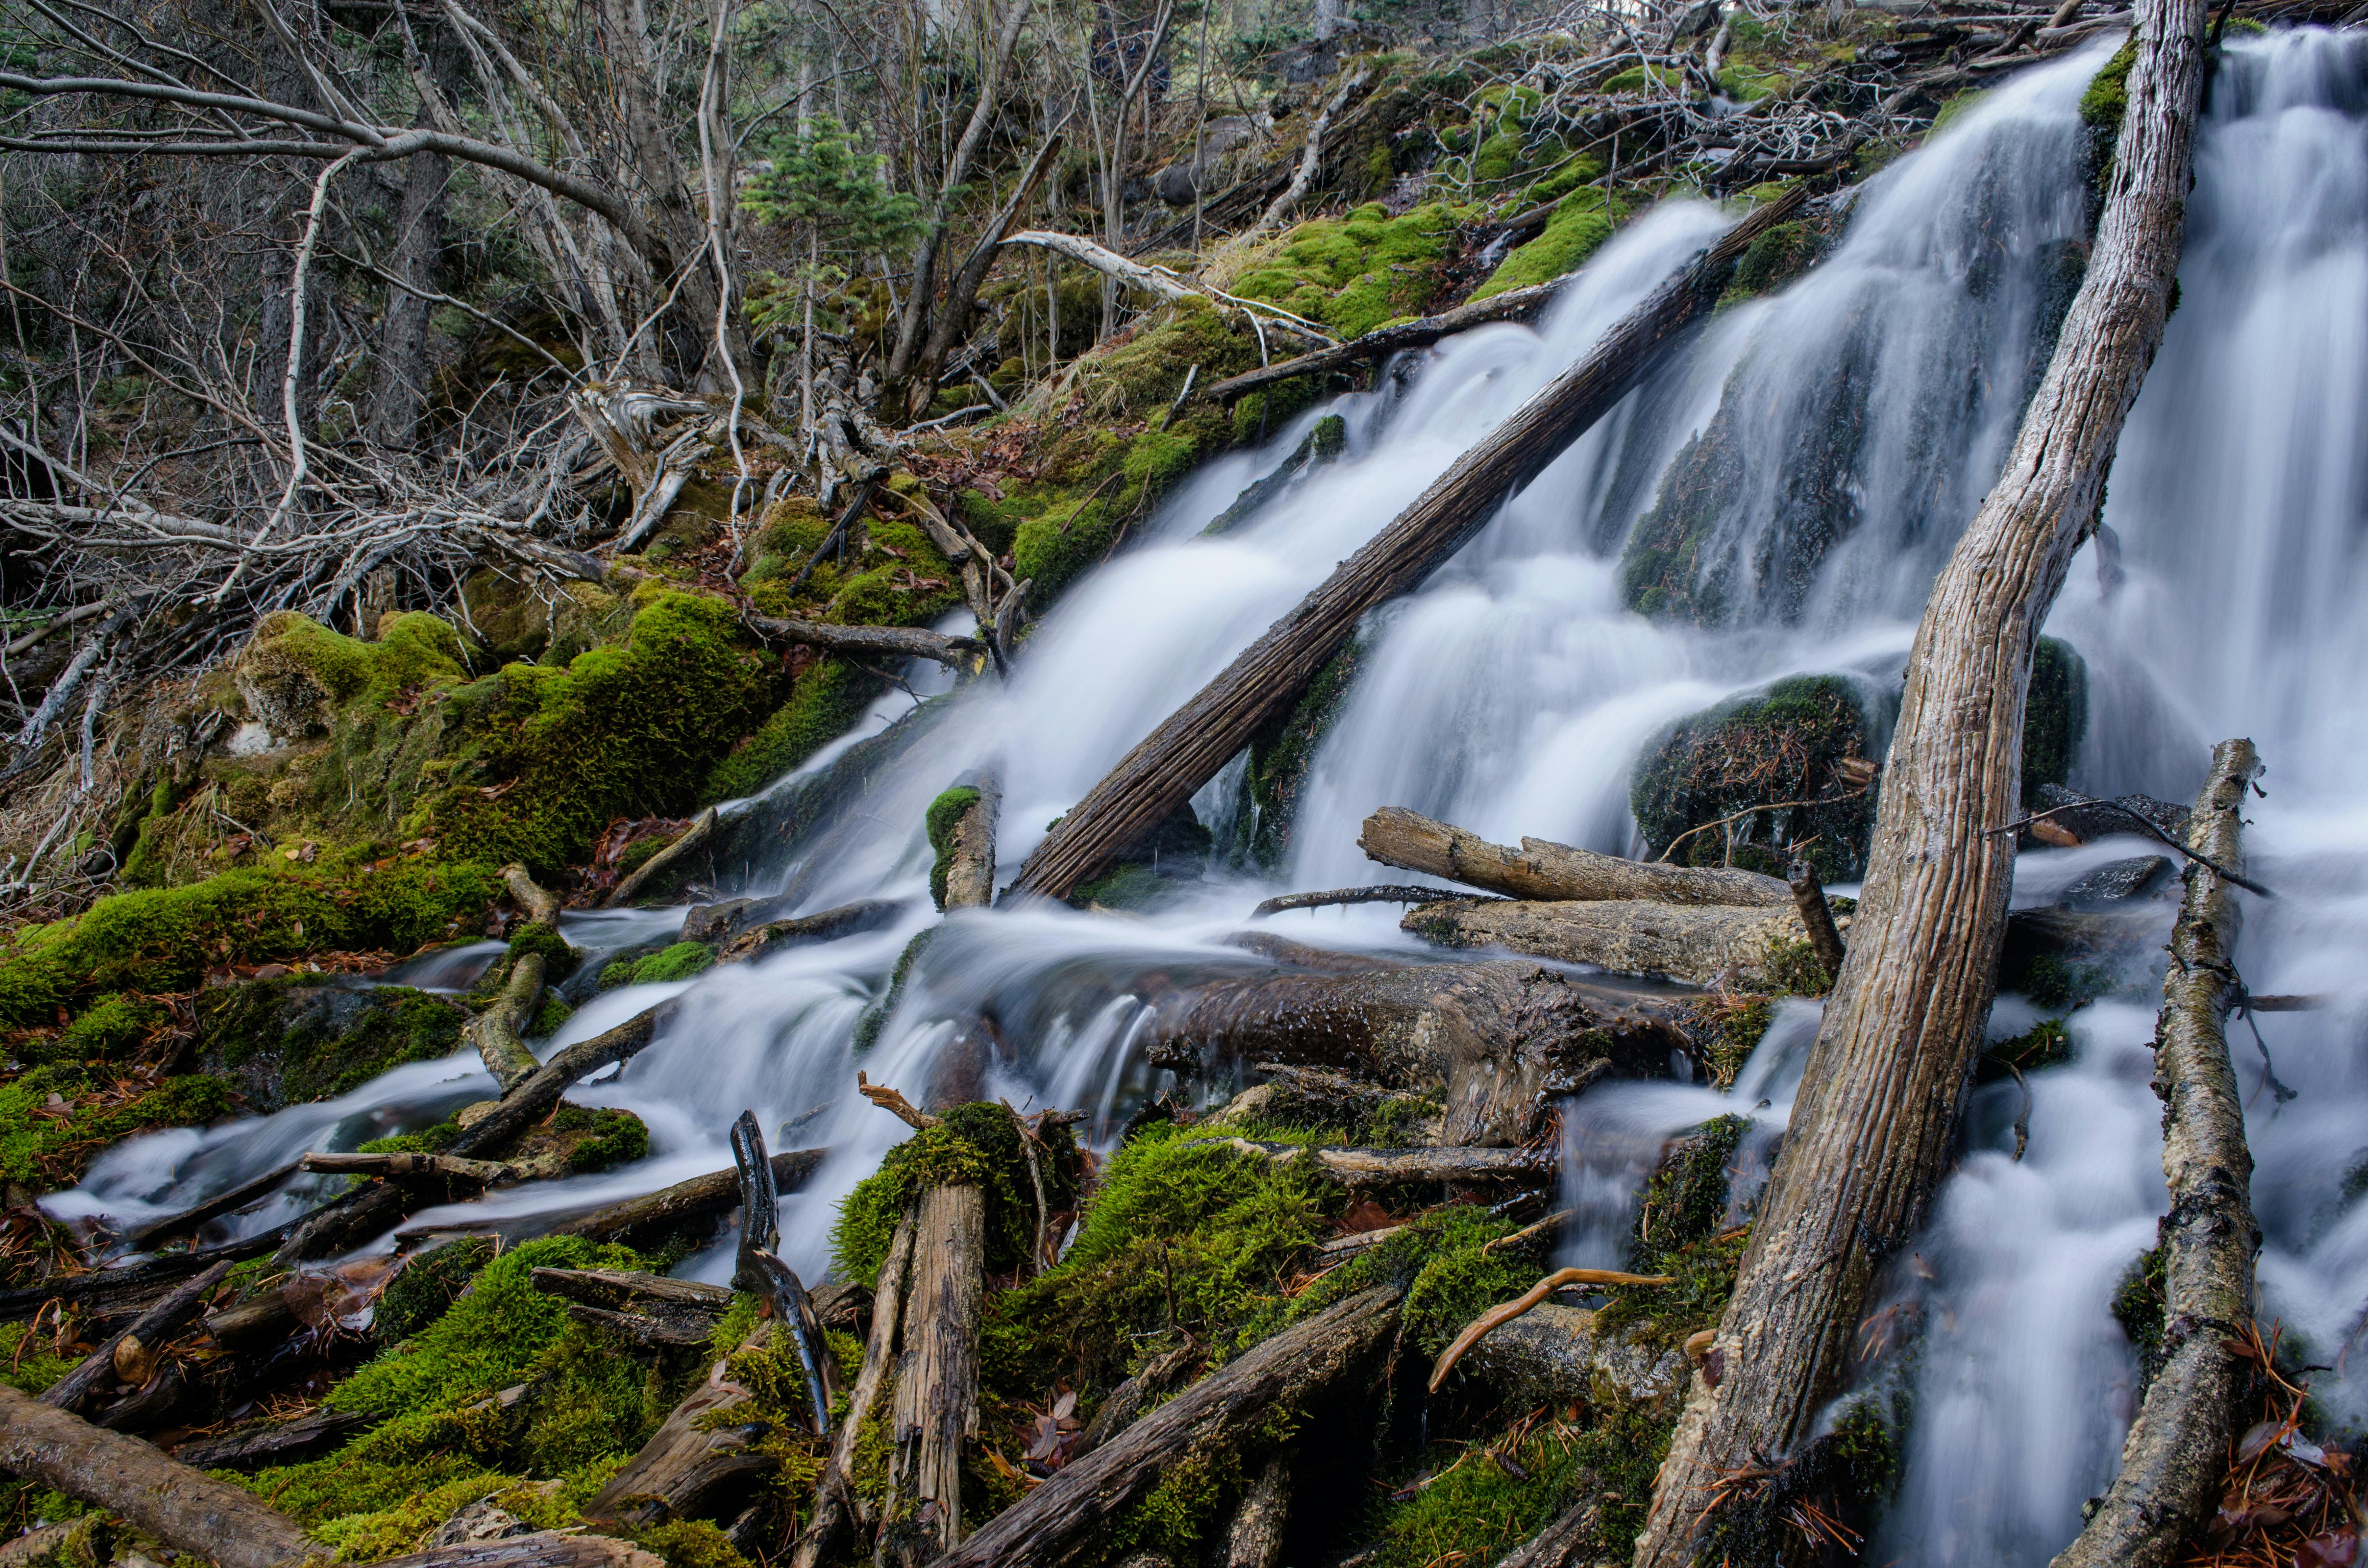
{"x": 1871, "y": 403}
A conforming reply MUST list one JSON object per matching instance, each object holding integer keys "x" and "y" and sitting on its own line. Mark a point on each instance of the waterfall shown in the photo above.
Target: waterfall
{"x": 1788, "y": 488}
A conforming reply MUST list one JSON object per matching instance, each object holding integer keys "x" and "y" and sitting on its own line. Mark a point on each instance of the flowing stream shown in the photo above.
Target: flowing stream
{"x": 1869, "y": 405}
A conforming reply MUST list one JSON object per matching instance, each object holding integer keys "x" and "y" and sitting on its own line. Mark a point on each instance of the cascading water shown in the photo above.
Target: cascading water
{"x": 1795, "y": 480}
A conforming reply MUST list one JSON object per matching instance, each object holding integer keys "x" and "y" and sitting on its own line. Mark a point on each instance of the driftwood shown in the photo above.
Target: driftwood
{"x": 2177, "y": 1448}
{"x": 970, "y": 868}
{"x": 1495, "y": 1041}
{"x": 1364, "y": 1169}
{"x": 273, "y": 1442}
{"x": 1067, "y": 1516}
{"x": 694, "y": 1454}
{"x": 541, "y": 904}
{"x": 870, "y": 642}
{"x": 1873, "y": 1126}
{"x": 1514, "y": 304}
{"x": 833, "y": 1490}
{"x": 1387, "y": 892}
{"x": 1553, "y": 872}
{"x": 183, "y": 1507}
{"x": 143, "y": 1237}
{"x": 130, "y": 1356}
{"x": 1702, "y": 944}
{"x": 1191, "y": 746}
{"x": 686, "y": 844}
{"x": 936, "y": 1401}
{"x": 702, "y": 1198}
{"x": 499, "y": 1032}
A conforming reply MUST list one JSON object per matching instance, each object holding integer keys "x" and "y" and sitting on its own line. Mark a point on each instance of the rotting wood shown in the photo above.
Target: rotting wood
{"x": 1553, "y": 872}
{"x": 1254, "y": 1536}
{"x": 970, "y": 867}
{"x": 1874, "y": 1125}
{"x": 1570, "y": 1540}
{"x": 869, "y": 641}
{"x": 273, "y": 1442}
{"x": 647, "y": 1309}
{"x": 833, "y": 1489}
{"x": 541, "y": 904}
{"x": 1189, "y": 747}
{"x": 1065, "y": 1517}
{"x": 2177, "y": 1450}
{"x": 686, "y": 1203}
{"x": 686, "y": 844}
{"x": 1494, "y": 1041}
{"x": 1505, "y": 1312}
{"x": 542, "y": 1549}
{"x": 759, "y": 1266}
{"x": 1818, "y": 917}
{"x": 1701, "y": 944}
{"x": 499, "y": 1032}
{"x": 935, "y": 1406}
{"x": 696, "y": 1452}
{"x": 117, "y": 1357}
{"x": 183, "y": 1507}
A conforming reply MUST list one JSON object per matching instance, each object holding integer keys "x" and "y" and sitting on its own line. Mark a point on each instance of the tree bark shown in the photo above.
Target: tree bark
{"x": 1063, "y": 1521}
{"x": 1187, "y": 749}
{"x": 1698, "y": 944}
{"x": 498, "y": 1032}
{"x": 1495, "y": 1041}
{"x": 2177, "y": 1448}
{"x": 970, "y": 876}
{"x": 1872, "y": 1125}
{"x": 1541, "y": 870}
{"x": 1254, "y": 1535}
{"x": 1818, "y": 919}
{"x": 148, "y": 1333}
{"x": 832, "y": 1490}
{"x": 183, "y": 1507}
{"x": 936, "y": 1403}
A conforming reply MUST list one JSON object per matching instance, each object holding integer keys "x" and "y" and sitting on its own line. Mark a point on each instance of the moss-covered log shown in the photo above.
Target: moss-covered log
{"x": 1494, "y": 1041}
{"x": 1755, "y": 949}
{"x": 499, "y": 1032}
{"x": 2177, "y": 1448}
{"x": 1063, "y": 1519}
{"x": 1543, "y": 870}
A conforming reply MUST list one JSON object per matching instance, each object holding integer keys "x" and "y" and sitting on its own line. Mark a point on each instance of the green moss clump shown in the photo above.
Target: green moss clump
{"x": 1775, "y": 258}
{"x": 1685, "y": 1202}
{"x": 1783, "y": 744}
{"x": 682, "y": 960}
{"x": 603, "y": 1137}
{"x": 2107, "y": 99}
{"x": 823, "y": 704}
{"x": 624, "y": 731}
{"x": 2141, "y": 1305}
{"x": 2047, "y": 1043}
{"x": 162, "y": 940}
{"x": 2055, "y": 717}
{"x": 1576, "y": 231}
{"x": 979, "y": 1145}
{"x": 48, "y": 1146}
{"x": 875, "y": 1017}
{"x": 1355, "y": 272}
{"x": 1439, "y": 1260}
{"x": 425, "y": 1287}
{"x": 285, "y": 1042}
{"x": 944, "y": 814}
{"x": 1735, "y": 1026}
{"x": 559, "y": 960}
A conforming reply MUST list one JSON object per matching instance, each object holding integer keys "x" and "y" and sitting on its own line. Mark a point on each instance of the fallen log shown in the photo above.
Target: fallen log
{"x": 648, "y": 1308}
{"x": 543, "y": 1549}
{"x": 1068, "y": 1515}
{"x": 936, "y": 1401}
{"x": 1387, "y": 892}
{"x": 448, "y": 1167}
{"x": 142, "y": 1238}
{"x": 2177, "y": 1450}
{"x": 1514, "y": 304}
{"x": 499, "y": 1032}
{"x": 694, "y": 1453}
{"x": 969, "y": 857}
{"x": 130, "y": 1288}
{"x": 848, "y": 920}
{"x": 734, "y": 917}
{"x": 1193, "y": 744}
{"x": 184, "y": 1508}
{"x": 541, "y": 904}
{"x": 869, "y": 641}
{"x": 1363, "y": 1169}
{"x": 130, "y": 1357}
{"x": 648, "y": 871}
{"x": 1701, "y": 944}
{"x": 1553, "y": 872}
{"x": 833, "y": 1489}
{"x": 1494, "y": 1041}
{"x": 273, "y": 1442}
{"x": 1254, "y": 1534}
{"x": 670, "y": 1208}
{"x": 1874, "y": 1125}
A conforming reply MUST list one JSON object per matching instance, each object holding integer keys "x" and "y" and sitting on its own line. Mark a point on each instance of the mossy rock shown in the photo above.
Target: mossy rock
{"x": 1355, "y": 272}
{"x": 286, "y": 1042}
{"x": 47, "y": 1146}
{"x": 677, "y": 960}
{"x": 1686, "y": 1199}
{"x": 823, "y": 703}
{"x": 1580, "y": 226}
{"x": 1781, "y": 745}
{"x": 2055, "y": 716}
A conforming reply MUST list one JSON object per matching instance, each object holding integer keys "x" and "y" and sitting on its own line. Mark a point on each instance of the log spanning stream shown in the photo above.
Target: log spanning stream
{"x": 1864, "y": 411}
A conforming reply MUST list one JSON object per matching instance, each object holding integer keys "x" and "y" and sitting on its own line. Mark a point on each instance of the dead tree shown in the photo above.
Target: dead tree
{"x": 1872, "y": 1129}
{"x": 935, "y": 1403}
{"x": 2177, "y": 1448}
{"x": 1543, "y": 869}
{"x": 1188, "y": 748}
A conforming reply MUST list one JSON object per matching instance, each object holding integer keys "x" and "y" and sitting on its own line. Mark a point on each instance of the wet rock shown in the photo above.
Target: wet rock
{"x": 282, "y": 1042}
{"x": 1795, "y": 758}
{"x": 2055, "y": 716}
{"x": 1554, "y": 1354}
{"x": 2087, "y": 819}
{"x": 2117, "y": 880}
{"x": 1172, "y": 855}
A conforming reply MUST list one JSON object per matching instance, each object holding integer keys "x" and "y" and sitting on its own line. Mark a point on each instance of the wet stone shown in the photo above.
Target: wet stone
{"x": 2117, "y": 881}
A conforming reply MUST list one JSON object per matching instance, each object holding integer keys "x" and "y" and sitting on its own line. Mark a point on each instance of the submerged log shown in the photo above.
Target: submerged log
{"x": 2177, "y": 1448}
{"x": 1873, "y": 1126}
{"x": 1494, "y": 1040}
{"x": 1066, "y": 1519}
{"x": 1703, "y": 945}
{"x": 499, "y": 1032}
{"x": 754, "y": 941}
{"x": 833, "y": 1490}
{"x": 183, "y": 1507}
{"x": 738, "y": 916}
{"x": 935, "y": 1403}
{"x": 130, "y": 1357}
{"x": 1554, "y": 873}
{"x": 1192, "y": 745}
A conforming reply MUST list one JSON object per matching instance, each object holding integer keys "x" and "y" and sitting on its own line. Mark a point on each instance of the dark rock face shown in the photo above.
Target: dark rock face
{"x": 2087, "y": 819}
{"x": 1789, "y": 764}
{"x": 2117, "y": 882}
{"x": 283, "y": 1042}
{"x": 1180, "y": 181}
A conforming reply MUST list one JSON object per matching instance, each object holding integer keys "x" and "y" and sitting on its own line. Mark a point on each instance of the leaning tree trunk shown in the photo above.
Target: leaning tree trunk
{"x": 2177, "y": 1448}
{"x": 1872, "y": 1128}
{"x": 1187, "y": 750}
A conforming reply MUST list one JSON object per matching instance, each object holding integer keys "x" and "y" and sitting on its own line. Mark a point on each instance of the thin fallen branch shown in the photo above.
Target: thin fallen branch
{"x": 1385, "y": 893}
{"x": 2144, "y": 825}
{"x": 412, "y": 1166}
{"x": 541, "y": 905}
{"x": 1514, "y": 304}
{"x": 894, "y": 1102}
{"x": 1498, "y": 1316}
{"x": 648, "y": 871}
{"x": 133, "y": 1351}
{"x": 1366, "y": 1168}
{"x": 897, "y": 642}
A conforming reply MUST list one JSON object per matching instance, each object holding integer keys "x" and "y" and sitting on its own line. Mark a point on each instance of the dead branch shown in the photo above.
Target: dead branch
{"x": 1497, "y": 1316}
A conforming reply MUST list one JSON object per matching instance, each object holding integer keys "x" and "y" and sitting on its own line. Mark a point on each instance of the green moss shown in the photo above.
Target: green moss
{"x": 875, "y": 1017}
{"x": 425, "y": 1287}
{"x": 1784, "y": 744}
{"x": 163, "y": 940}
{"x": 47, "y": 1146}
{"x": 30, "y": 1362}
{"x": 1439, "y": 1260}
{"x": 1355, "y": 272}
{"x": 2107, "y": 99}
{"x": 681, "y": 960}
{"x": 979, "y": 1145}
{"x": 944, "y": 814}
{"x": 606, "y": 1136}
{"x": 2055, "y": 717}
{"x": 1574, "y": 233}
{"x": 823, "y": 704}
{"x": 2141, "y": 1305}
{"x": 549, "y": 1015}
{"x": 286, "y": 1042}
{"x": 559, "y": 960}
{"x": 1777, "y": 256}
{"x": 1685, "y": 1202}
{"x": 1735, "y": 1026}
{"x": 2047, "y": 1043}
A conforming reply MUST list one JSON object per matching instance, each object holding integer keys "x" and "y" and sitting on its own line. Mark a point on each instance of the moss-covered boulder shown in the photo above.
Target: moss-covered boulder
{"x": 284, "y": 1041}
{"x": 1767, "y": 769}
{"x": 2055, "y": 716}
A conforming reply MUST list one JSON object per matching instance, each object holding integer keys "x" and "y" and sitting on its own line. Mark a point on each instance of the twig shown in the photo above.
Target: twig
{"x": 2204, "y": 860}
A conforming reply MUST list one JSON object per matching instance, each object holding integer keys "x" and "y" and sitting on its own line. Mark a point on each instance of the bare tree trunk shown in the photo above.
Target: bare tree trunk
{"x": 953, "y": 320}
{"x": 1543, "y": 869}
{"x": 398, "y": 393}
{"x": 935, "y": 1404}
{"x": 1871, "y": 1129}
{"x": 2177, "y": 1448}
{"x": 1187, "y": 750}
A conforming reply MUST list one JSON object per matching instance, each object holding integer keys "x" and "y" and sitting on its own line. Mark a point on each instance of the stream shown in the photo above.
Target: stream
{"x": 1871, "y": 402}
